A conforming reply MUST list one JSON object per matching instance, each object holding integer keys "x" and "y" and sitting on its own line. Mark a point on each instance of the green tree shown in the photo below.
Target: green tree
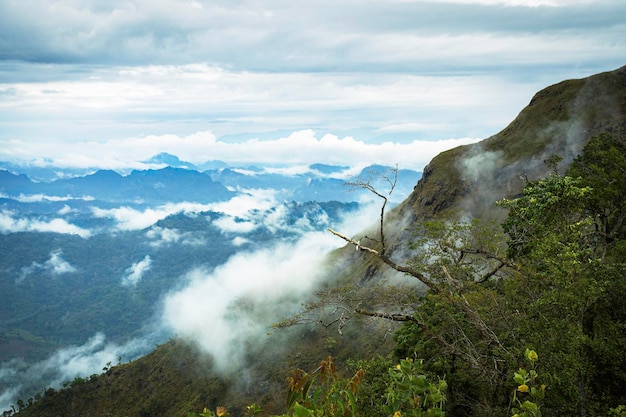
{"x": 602, "y": 167}
{"x": 556, "y": 282}
{"x": 567, "y": 232}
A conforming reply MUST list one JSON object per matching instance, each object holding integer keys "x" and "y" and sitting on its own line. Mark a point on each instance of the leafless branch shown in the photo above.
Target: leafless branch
{"x": 366, "y": 183}
{"x": 388, "y": 261}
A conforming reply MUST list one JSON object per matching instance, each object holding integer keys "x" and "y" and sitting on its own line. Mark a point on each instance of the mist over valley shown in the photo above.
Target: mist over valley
{"x": 99, "y": 268}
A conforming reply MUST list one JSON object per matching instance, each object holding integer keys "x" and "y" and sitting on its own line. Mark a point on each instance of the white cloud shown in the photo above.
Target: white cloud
{"x": 128, "y": 218}
{"x": 10, "y": 224}
{"x": 37, "y": 198}
{"x": 140, "y": 71}
{"x": 162, "y": 236}
{"x": 249, "y": 200}
{"x": 240, "y": 241}
{"x": 131, "y": 219}
{"x": 234, "y": 225}
{"x": 55, "y": 265}
{"x": 205, "y": 311}
{"x": 8, "y": 396}
{"x": 135, "y": 272}
{"x": 65, "y": 365}
{"x": 299, "y": 148}
{"x": 241, "y": 215}
{"x": 271, "y": 282}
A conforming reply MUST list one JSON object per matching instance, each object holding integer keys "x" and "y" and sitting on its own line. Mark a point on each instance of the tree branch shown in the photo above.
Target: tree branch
{"x": 388, "y": 316}
{"x": 388, "y": 261}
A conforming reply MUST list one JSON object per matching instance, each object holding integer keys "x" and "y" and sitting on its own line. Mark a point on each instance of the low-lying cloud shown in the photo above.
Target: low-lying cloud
{"x": 239, "y": 214}
{"x": 9, "y": 223}
{"x": 18, "y": 377}
{"x": 163, "y": 236}
{"x": 134, "y": 273}
{"x": 37, "y": 198}
{"x": 270, "y": 282}
{"x": 129, "y": 218}
{"x": 55, "y": 265}
{"x": 207, "y": 310}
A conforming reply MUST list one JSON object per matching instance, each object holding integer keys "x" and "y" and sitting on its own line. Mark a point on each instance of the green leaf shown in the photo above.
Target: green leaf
{"x": 300, "y": 411}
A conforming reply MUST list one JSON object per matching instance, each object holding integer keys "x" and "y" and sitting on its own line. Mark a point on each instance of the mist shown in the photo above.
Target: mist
{"x": 221, "y": 310}
{"x": 233, "y": 306}
{"x": 135, "y": 272}
{"x": 9, "y": 223}
{"x": 19, "y": 380}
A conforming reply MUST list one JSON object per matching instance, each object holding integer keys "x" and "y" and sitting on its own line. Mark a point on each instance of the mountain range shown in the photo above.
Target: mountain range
{"x": 182, "y": 181}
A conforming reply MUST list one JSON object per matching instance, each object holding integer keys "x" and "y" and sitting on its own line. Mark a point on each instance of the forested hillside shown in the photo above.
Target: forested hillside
{"x": 515, "y": 252}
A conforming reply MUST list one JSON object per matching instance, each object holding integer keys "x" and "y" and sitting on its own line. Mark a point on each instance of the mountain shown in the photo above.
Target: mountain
{"x": 175, "y": 183}
{"x": 214, "y": 164}
{"x": 328, "y": 169}
{"x": 170, "y": 160}
{"x": 559, "y": 120}
{"x": 320, "y": 183}
{"x": 464, "y": 181}
{"x": 149, "y": 186}
{"x": 44, "y": 173}
{"x": 467, "y": 181}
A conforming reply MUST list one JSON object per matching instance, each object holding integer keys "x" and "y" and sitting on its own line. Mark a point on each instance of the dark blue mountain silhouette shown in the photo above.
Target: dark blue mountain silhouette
{"x": 171, "y": 161}
{"x": 149, "y": 187}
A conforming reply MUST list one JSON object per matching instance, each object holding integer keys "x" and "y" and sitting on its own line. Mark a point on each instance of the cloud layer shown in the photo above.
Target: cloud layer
{"x": 302, "y": 147}
{"x": 225, "y": 309}
{"x": 9, "y": 223}
{"x": 64, "y": 366}
{"x": 104, "y": 83}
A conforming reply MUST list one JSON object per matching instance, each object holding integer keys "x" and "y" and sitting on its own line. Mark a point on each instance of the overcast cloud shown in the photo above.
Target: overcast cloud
{"x": 105, "y": 83}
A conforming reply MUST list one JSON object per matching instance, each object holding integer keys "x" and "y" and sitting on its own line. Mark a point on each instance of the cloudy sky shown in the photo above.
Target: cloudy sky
{"x": 106, "y": 82}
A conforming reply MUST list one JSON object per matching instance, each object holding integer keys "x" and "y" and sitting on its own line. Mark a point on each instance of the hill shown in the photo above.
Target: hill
{"x": 559, "y": 120}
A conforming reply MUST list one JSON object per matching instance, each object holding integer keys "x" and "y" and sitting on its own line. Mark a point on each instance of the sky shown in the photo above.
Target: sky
{"x": 108, "y": 83}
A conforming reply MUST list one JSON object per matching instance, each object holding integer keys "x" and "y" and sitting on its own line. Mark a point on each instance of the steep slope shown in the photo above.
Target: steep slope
{"x": 467, "y": 180}
{"x": 559, "y": 120}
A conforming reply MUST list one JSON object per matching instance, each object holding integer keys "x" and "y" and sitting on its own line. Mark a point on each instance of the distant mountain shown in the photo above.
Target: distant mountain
{"x": 44, "y": 173}
{"x": 215, "y": 164}
{"x": 176, "y": 183}
{"x": 171, "y": 161}
{"x": 150, "y": 186}
{"x": 13, "y": 183}
{"x": 328, "y": 169}
{"x": 312, "y": 186}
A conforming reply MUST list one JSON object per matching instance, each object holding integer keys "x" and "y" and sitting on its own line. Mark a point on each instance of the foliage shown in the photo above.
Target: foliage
{"x": 410, "y": 393}
{"x": 528, "y": 389}
{"x": 219, "y": 412}
{"x": 371, "y": 401}
{"x": 570, "y": 297}
{"x": 558, "y": 284}
{"x": 405, "y": 390}
{"x": 323, "y": 392}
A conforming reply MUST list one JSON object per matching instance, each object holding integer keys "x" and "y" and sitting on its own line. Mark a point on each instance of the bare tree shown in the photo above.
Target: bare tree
{"x": 449, "y": 268}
